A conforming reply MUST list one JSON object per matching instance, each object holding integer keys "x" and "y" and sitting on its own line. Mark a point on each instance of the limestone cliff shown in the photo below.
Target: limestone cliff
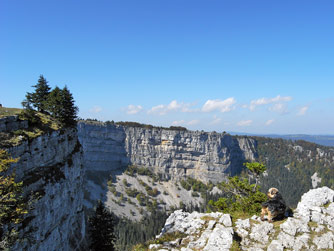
{"x": 172, "y": 154}
{"x": 51, "y": 169}
{"x": 202, "y": 155}
{"x": 311, "y": 228}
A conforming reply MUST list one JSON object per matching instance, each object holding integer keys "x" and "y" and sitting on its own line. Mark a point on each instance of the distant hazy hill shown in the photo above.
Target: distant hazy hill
{"x": 325, "y": 140}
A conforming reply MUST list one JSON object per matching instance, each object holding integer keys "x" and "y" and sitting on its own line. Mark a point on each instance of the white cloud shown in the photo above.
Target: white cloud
{"x": 269, "y": 122}
{"x": 244, "y": 122}
{"x": 157, "y": 109}
{"x": 220, "y": 105}
{"x": 172, "y": 106}
{"x": 266, "y": 101}
{"x": 133, "y": 109}
{"x": 95, "y": 109}
{"x": 302, "y": 111}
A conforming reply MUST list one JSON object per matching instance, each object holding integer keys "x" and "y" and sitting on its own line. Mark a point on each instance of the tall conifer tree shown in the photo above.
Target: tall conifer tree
{"x": 39, "y": 98}
{"x": 101, "y": 229}
{"x": 69, "y": 110}
{"x": 55, "y": 101}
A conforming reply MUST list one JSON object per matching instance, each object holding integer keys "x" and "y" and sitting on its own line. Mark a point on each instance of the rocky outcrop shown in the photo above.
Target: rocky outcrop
{"x": 311, "y": 228}
{"x": 52, "y": 172}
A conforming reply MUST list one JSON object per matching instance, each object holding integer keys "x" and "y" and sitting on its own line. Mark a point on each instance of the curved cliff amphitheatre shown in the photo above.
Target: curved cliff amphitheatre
{"x": 203, "y": 125}
{"x": 143, "y": 174}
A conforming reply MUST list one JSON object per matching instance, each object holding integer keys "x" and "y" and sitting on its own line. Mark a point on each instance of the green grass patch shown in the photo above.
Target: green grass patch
{"x": 5, "y": 111}
{"x": 140, "y": 247}
{"x": 38, "y": 124}
{"x": 170, "y": 237}
{"x": 235, "y": 246}
{"x": 208, "y": 218}
{"x": 327, "y": 204}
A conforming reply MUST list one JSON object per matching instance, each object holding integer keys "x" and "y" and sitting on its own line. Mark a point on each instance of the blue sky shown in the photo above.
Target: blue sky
{"x": 245, "y": 66}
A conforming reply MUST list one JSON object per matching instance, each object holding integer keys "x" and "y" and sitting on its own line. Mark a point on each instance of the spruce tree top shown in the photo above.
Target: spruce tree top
{"x": 39, "y": 98}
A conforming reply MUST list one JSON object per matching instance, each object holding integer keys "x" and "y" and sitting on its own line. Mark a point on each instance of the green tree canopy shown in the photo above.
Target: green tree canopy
{"x": 69, "y": 110}
{"x": 59, "y": 103}
{"x": 257, "y": 169}
{"x": 39, "y": 98}
{"x": 55, "y": 102}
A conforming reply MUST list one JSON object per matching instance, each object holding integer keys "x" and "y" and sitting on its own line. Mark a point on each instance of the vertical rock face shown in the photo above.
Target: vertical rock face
{"x": 204, "y": 156}
{"x": 51, "y": 169}
{"x": 11, "y": 123}
{"x": 175, "y": 154}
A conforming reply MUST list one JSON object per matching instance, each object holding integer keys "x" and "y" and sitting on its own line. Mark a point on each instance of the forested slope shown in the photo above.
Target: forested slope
{"x": 291, "y": 164}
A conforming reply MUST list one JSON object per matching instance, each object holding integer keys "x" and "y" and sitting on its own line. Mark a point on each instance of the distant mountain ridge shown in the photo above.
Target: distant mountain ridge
{"x": 325, "y": 140}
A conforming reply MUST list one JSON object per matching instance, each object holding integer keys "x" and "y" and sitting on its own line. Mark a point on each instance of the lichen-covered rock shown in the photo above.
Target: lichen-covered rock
{"x": 261, "y": 231}
{"x": 275, "y": 245}
{"x": 204, "y": 231}
{"x": 220, "y": 238}
{"x": 324, "y": 241}
{"x": 226, "y": 220}
{"x": 309, "y": 206}
{"x": 242, "y": 227}
{"x": 292, "y": 226}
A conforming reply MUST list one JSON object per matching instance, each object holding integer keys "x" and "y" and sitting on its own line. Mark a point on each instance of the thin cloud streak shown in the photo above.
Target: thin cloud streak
{"x": 173, "y": 106}
{"x": 265, "y": 101}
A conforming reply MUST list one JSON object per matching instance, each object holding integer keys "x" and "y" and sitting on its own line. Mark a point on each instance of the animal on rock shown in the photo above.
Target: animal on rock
{"x": 275, "y": 207}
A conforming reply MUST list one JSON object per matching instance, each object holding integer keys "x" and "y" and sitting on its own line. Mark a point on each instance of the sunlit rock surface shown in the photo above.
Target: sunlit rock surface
{"x": 51, "y": 169}
{"x": 311, "y": 228}
{"x": 109, "y": 148}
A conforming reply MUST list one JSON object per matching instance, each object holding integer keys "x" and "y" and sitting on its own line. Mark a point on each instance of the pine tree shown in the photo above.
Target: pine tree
{"x": 69, "y": 110}
{"x": 256, "y": 169}
{"x": 101, "y": 229}
{"x": 27, "y": 102}
{"x": 39, "y": 98}
{"x": 59, "y": 103}
{"x": 55, "y": 101}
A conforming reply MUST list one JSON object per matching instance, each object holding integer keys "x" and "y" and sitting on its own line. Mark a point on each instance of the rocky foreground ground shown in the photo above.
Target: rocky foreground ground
{"x": 311, "y": 228}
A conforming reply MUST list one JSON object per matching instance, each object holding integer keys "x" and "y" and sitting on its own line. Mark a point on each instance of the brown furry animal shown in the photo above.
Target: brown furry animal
{"x": 274, "y": 207}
